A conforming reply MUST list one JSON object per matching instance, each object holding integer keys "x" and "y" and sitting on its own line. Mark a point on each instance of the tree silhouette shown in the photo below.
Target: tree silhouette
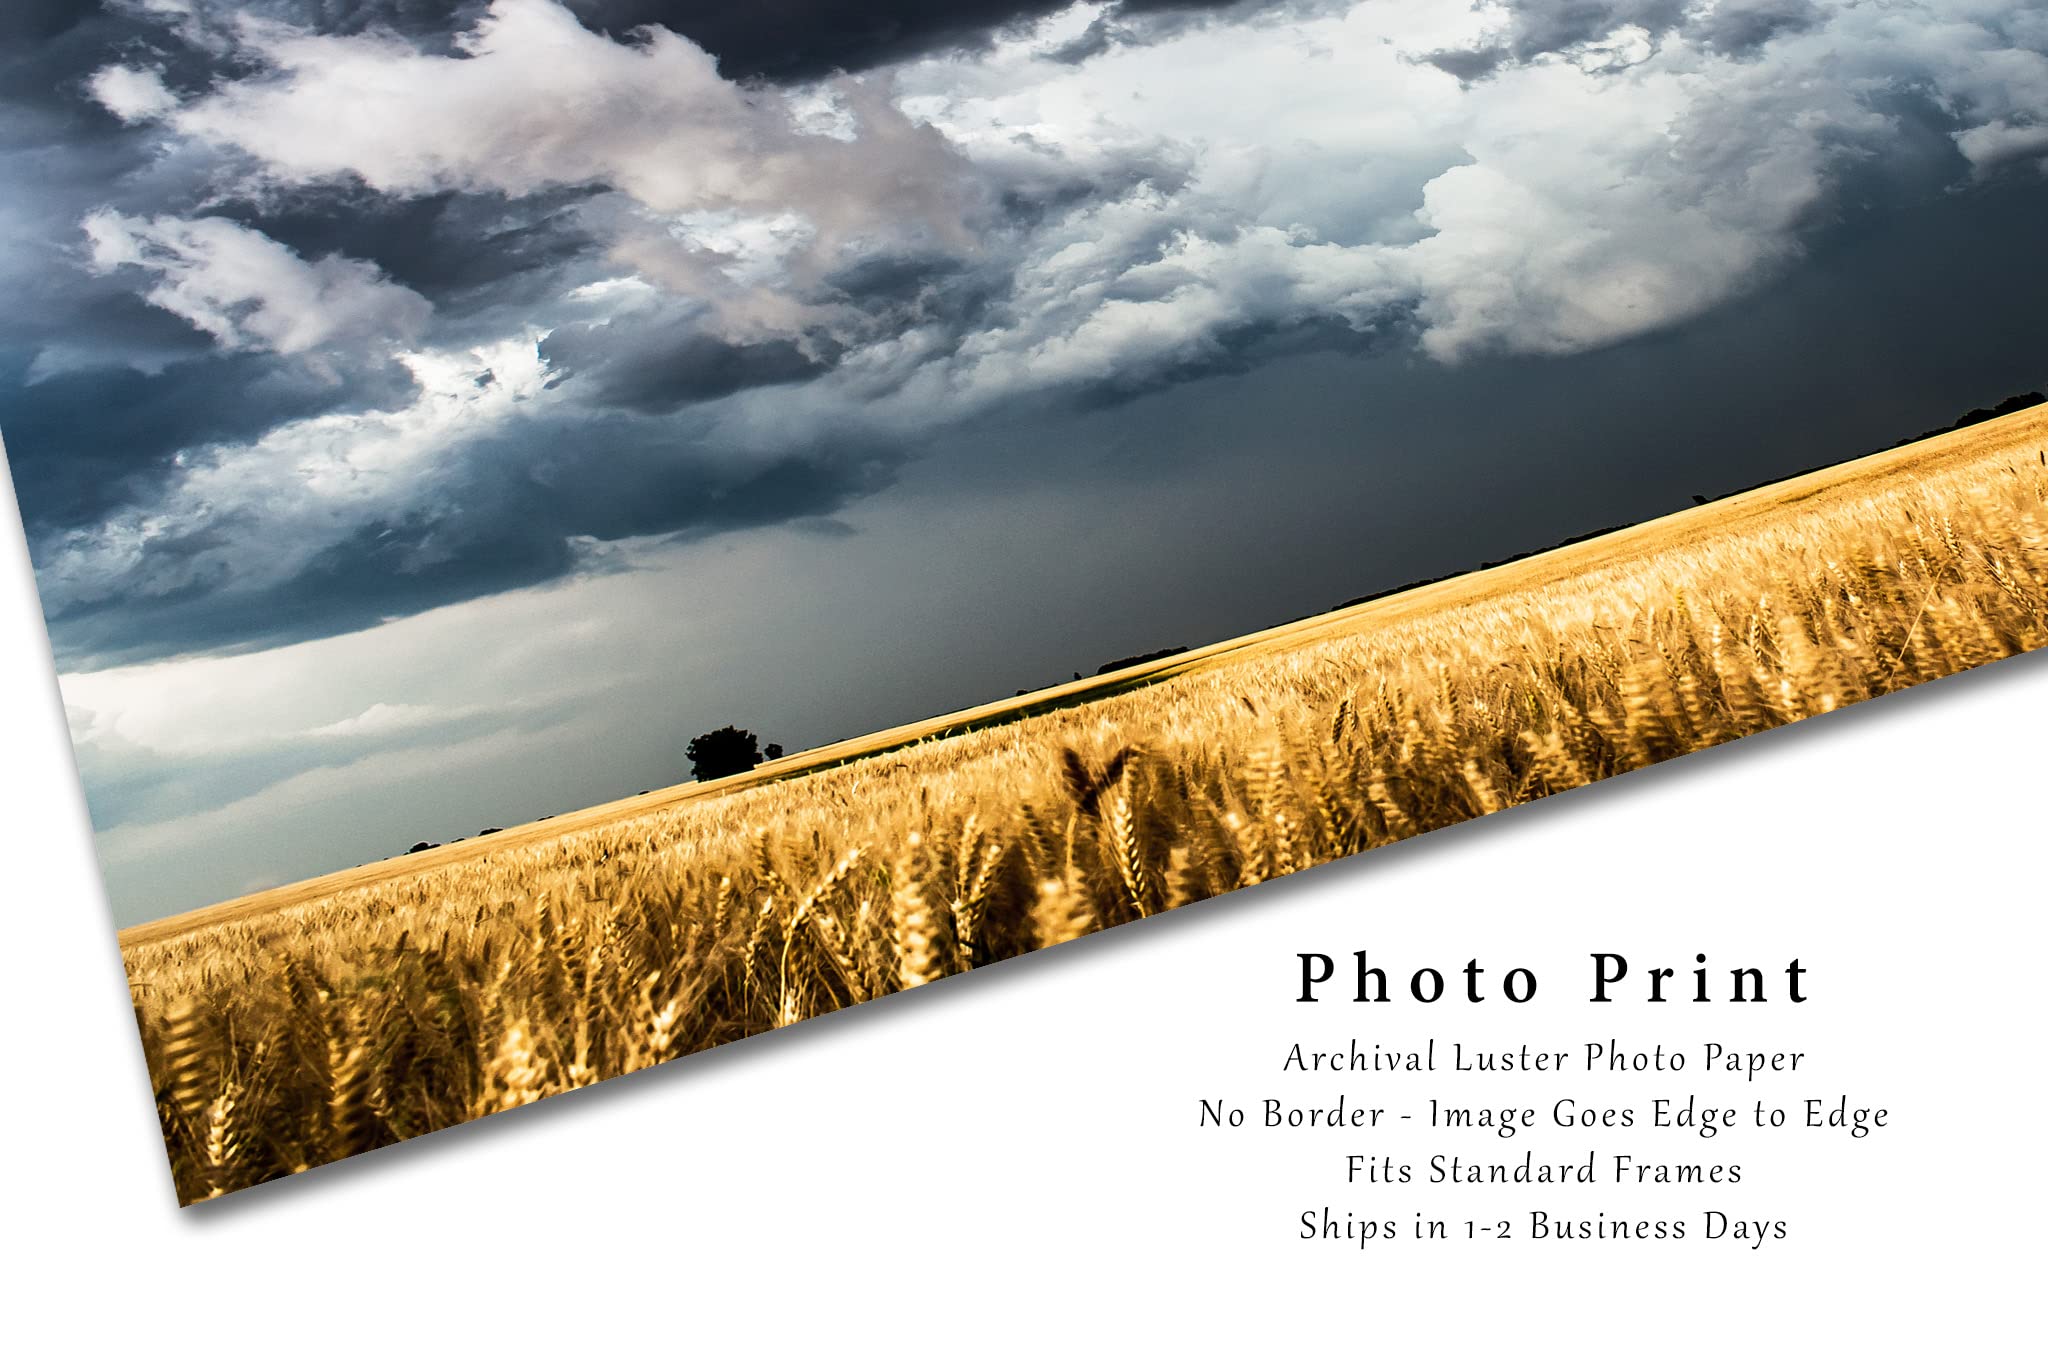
{"x": 723, "y": 752}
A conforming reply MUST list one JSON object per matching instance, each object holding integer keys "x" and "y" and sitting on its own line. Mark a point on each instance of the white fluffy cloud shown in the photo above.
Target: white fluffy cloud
{"x": 132, "y": 94}
{"x": 252, "y": 293}
{"x": 1566, "y": 202}
{"x": 533, "y": 102}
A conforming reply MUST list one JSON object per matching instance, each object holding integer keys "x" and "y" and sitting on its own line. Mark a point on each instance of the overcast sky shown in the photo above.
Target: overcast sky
{"x": 427, "y": 414}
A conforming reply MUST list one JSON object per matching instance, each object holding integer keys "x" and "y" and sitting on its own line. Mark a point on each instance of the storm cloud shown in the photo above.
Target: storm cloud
{"x": 771, "y": 40}
{"x": 661, "y": 365}
{"x": 249, "y": 561}
{"x": 732, "y": 265}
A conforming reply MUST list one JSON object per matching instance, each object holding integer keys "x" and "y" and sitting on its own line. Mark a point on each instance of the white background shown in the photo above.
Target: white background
{"x": 1010, "y": 1165}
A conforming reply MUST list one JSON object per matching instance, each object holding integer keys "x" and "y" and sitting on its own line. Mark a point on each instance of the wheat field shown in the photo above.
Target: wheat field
{"x": 305, "y": 1025}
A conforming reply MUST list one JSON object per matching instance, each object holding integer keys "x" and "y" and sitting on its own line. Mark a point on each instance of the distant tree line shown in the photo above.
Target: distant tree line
{"x": 2014, "y": 404}
{"x": 1130, "y": 661}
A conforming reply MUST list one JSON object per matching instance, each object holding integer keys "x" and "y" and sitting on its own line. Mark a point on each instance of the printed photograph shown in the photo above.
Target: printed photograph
{"x": 573, "y": 532}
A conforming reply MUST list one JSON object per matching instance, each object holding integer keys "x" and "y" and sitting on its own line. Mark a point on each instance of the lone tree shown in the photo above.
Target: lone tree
{"x": 722, "y": 753}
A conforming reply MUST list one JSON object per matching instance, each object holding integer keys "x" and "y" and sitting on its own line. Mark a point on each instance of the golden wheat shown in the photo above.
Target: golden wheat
{"x": 308, "y": 1028}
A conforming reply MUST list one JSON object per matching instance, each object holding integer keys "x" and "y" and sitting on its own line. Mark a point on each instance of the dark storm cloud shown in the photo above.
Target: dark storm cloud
{"x": 1542, "y": 26}
{"x": 1138, "y": 22}
{"x": 86, "y": 442}
{"x": 1239, "y": 350}
{"x": 1538, "y": 28}
{"x": 802, "y": 39}
{"x": 1742, "y": 26}
{"x": 512, "y": 514}
{"x": 430, "y": 24}
{"x": 416, "y": 19}
{"x": 132, "y": 384}
{"x": 100, "y": 390}
{"x": 657, "y": 365}
{"x": 766, "y": 39}
{"x": 894, "y": 279}
{"x": 1468, "y": 64}
{"x": 890, "y": 294}
{"x": 106, "y": 400}
{"x": 49, "y": 47}
{"x": 774, "y": 40}
{"x": 73, "y": 155}
{"x": 457, "y": 250}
